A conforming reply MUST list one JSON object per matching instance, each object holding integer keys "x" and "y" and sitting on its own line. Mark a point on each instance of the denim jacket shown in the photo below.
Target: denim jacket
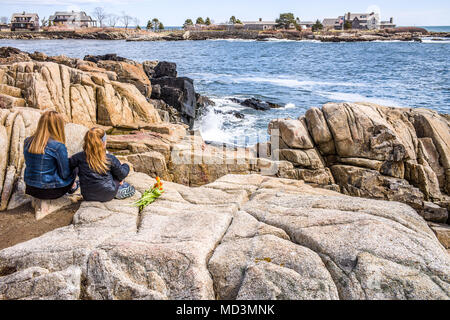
{"x": 49, "y": 170}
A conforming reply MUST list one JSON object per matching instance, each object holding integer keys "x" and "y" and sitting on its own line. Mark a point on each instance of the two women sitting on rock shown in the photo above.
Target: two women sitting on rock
{"x": 50, "y": 174}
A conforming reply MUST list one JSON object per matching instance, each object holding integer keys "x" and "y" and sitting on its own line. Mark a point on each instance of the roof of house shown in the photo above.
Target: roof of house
{"x": 306, "y": 22}
{"x": 260, "y": 22}
{"x": 330, "y": 21}
{"x": 361, "y": 16}
{"x": 73, "y": 15}
{"x": 33, "y": 16}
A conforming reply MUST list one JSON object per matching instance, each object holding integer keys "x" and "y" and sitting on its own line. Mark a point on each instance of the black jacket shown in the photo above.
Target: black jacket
{"x": 95, "y": 186}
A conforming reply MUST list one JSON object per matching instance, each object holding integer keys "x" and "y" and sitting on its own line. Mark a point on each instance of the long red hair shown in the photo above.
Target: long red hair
{"x": 95, "y": 150}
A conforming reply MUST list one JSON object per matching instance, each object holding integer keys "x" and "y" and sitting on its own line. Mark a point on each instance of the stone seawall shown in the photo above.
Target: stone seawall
{"x": 44, "y": 35}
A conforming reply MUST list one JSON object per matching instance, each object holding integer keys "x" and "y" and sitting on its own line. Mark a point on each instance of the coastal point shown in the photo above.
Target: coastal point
{"x": 226, "y": 159}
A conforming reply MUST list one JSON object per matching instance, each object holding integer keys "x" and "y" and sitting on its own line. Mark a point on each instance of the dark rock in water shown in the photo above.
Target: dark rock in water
{"x": 177, "y": 92}
{"x": 180, "y": 94}
{"x": 111, "y": 57}
{"x": 256, "y": 104}
{"x": 165, "y": 69}
{"x": 203, "y": 101}
{"x": 10, "y": 55}
{"x": 6, "y": 52}
{"x": 237, "y": 114}
{"x": 236, "y": 100}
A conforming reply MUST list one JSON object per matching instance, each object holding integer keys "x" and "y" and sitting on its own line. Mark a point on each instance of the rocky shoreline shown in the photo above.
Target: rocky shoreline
{"x": 402, "y": 34}
{"x": 349, "y": 201}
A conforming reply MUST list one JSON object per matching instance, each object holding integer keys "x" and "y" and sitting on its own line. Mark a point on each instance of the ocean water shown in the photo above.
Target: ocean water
{"x": 437, "y": 28}
{"x": 296, "y": 74}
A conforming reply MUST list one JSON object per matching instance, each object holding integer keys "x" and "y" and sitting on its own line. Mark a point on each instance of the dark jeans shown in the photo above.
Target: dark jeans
{"x": 50, "y": 194}
{"x": 47, "y": 194}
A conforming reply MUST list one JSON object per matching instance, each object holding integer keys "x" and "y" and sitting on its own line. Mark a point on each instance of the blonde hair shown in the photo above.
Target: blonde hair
{"x": 95, "y": 150}
{"x": 50, "y": 125}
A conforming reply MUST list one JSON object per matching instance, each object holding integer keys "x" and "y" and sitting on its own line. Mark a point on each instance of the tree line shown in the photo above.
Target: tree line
{"x": 284, "y": 21}
{"x": 111, "y": 20}
{"x": 208, "y": 21}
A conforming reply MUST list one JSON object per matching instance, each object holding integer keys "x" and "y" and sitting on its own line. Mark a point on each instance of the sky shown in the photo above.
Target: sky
{"x": 175, "y": 12}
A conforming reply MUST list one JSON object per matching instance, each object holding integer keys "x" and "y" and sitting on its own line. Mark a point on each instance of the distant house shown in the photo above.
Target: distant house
{"x": 333, "y": 23}
{"x": 364, "y": 21}
{"x": 305, "y": 24}
{"x": 5, "y": 27}
{"x": 387, "y": 24}
{"x": 25, "y": 21}
{"x": 72, "y": 19}
{"x": 259, "y": 25}
{"x": 197, "y": 27}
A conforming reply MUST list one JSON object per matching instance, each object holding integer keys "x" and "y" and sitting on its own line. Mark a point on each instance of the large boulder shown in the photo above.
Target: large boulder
{"x": 373, "y": 151}
{"x": 361, "y": 130}
{"x": 165, "y": 69}
{"x": 85, "y": 98}
{"x": 429, "y": 124}
{"x": 368, "y": 246}
{"x": 130, "y": 73}
{"x": 240, "y": 237}
{"x": 292, "y": 134}
{"x": 180, "y": 94}
{"x": 368, "y": 183}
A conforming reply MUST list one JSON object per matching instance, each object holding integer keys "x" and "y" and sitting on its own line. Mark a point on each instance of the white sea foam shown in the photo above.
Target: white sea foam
{"x": 387, "y": 41}
{"x": 279, "y": 40}
{"x": 294, "y": 83}
{"x": 289, "y": 106}
{"x": 234, "y": 40}
{"x": 215, "y": 124}
{"x": 311, "y": 41}
{"x": 442, "y": 40}
{"x": 211, "y": 127}
{"x": 355, "y": 97}
{"x": 278, "y": 81}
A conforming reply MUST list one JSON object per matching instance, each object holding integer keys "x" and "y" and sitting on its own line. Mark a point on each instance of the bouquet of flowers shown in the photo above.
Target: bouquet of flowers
{"x": 150, "y": 195}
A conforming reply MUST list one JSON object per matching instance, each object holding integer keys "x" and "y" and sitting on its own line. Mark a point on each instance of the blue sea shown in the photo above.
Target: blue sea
{"x": 295, "y": 74}
{"x": 437, "y": 28}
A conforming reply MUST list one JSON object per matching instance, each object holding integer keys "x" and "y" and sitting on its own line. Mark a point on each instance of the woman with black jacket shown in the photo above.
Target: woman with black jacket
{"x": 101, "y": 174}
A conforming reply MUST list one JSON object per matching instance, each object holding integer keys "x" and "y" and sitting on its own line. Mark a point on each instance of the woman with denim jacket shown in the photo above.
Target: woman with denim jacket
{"x": 47, "y": 172}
